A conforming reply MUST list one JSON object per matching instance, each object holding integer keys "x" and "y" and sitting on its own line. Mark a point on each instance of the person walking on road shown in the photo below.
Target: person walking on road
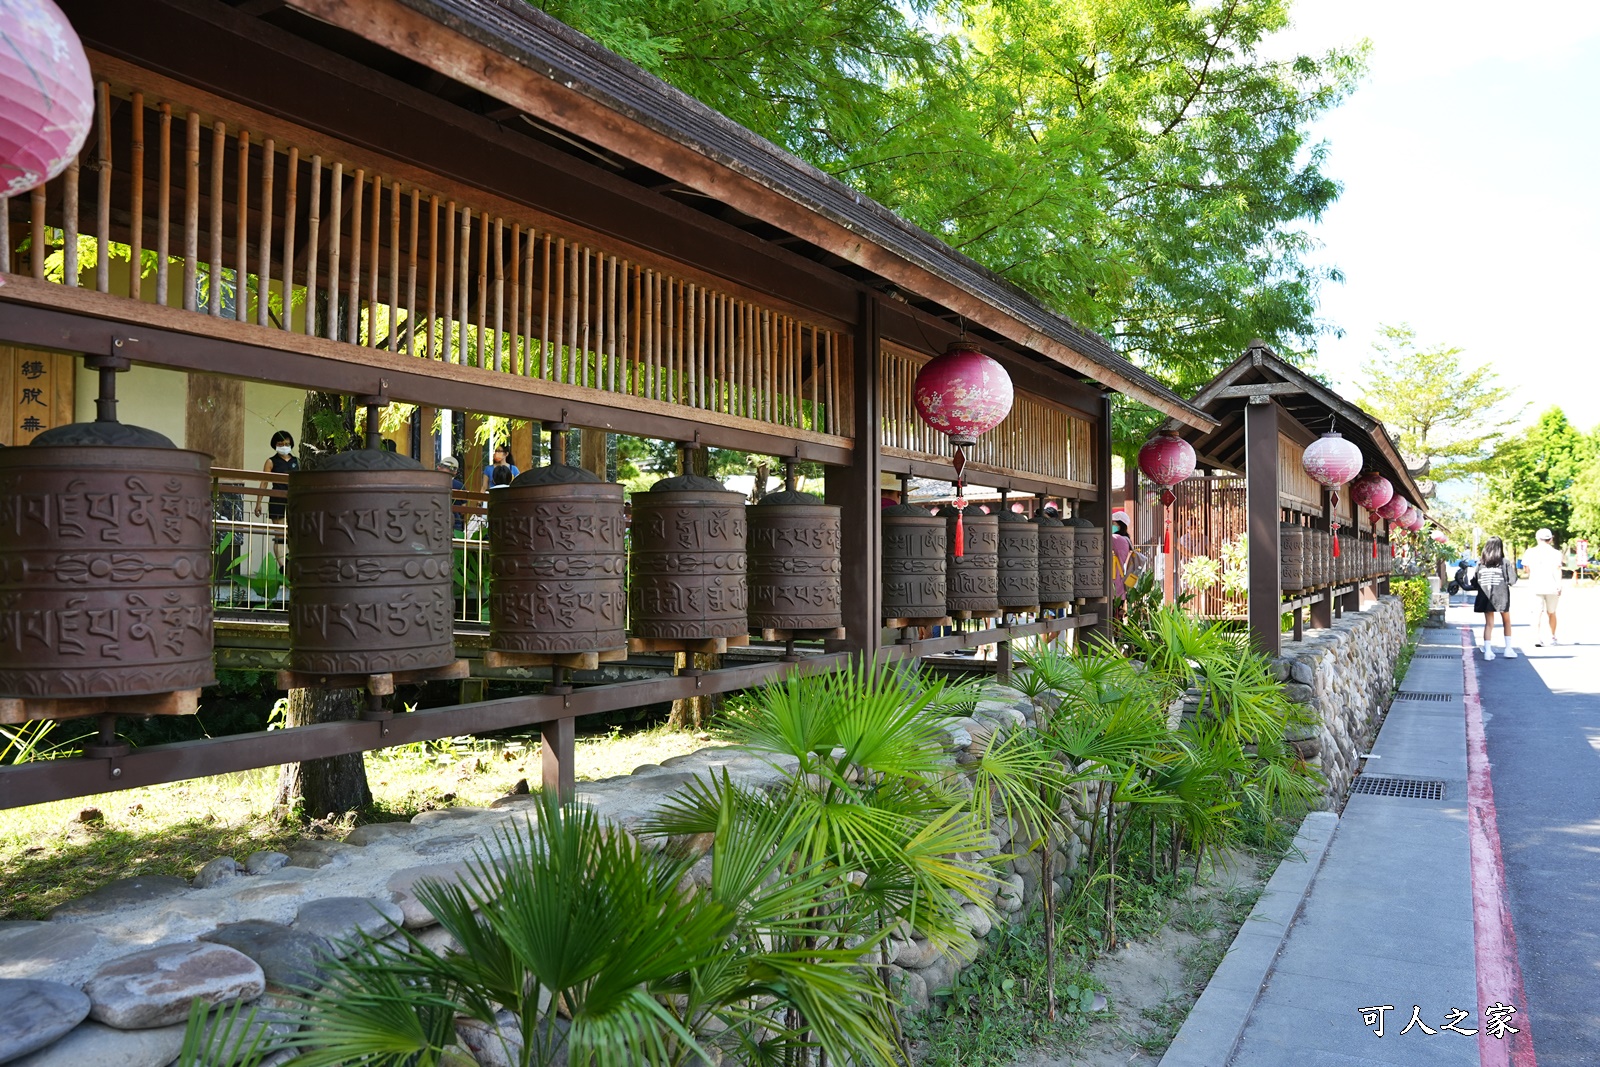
{"x": 1544, "y": 580}
{"x": 1493, "y": 580}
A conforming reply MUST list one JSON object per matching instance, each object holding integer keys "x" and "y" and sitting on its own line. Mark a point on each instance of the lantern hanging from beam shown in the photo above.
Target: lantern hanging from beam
{"x": 1167, "y": 459}
{"x": 46, "y": 94}
{"x": 1372, "y": 491}
{"x": 1332, "y": 461}
{"x": 963, "y": 394}
{"x": 1392, "y": 513}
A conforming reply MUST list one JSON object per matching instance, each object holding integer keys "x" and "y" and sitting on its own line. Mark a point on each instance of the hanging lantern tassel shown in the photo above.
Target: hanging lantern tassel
{"x": 1333, "y": 505}
{"x": 1374, "y": 535}
{"x": 959, "y": 549}
{"x": 1167, "y": 499}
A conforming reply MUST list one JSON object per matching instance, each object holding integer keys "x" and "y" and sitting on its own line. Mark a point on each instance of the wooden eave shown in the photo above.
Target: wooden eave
{"x": 544, "y": 69}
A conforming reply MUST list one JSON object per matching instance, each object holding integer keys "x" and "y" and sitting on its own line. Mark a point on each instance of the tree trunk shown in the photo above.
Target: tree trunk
{"x": 333, "y": 785}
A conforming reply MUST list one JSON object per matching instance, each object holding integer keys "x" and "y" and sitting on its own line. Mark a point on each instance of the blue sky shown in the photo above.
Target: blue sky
{"x": 1471, "y": 164}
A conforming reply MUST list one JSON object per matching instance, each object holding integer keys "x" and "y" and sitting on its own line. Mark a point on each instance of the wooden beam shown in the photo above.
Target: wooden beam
{"x": 1232, "y": 392}
{"x": 855, "y": 490}
{"x": 1261, "y": 509}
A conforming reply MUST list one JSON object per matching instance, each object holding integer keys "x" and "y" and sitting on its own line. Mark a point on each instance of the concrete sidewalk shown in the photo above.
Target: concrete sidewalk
{"x": 1376, "y": 910}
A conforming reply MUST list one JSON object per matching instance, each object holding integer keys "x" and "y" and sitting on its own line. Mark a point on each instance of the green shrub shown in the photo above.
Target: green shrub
{"x": 1415, "y": 595}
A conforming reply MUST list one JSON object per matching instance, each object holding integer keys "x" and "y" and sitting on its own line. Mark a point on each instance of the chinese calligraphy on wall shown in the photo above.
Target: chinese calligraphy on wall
{"x": 36, "y": 390}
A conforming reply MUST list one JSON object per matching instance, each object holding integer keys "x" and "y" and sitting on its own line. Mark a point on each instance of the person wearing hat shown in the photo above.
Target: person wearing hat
{"x": 1122, "y": 548}
{"x": 1544, "y": 581}
{"x": 452, "y": 466}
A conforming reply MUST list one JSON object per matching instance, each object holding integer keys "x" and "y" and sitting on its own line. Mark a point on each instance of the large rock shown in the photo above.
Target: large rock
{"x": 218, "y": 870}
{"x": 264, "y": 862}
{"x": 154, "y": 987}
{"x": 313, "y": 854}
{"x": 375, "y": 832}
{"x": 289, "y": 958}
{"x": 120, "y": 894}
{"x": 402, "y": 886}
{"x": 342, "y": 920}
{"x": 34, "y": 1014}
{"x": 95, "y": 1045}
{"x": 56, "y": 951}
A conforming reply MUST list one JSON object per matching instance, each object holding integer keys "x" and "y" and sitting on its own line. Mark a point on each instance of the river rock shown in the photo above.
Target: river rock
{"x": 317, "y": 854}
{"x": 223, "y": 867}
{"x": 422, "y": 818}
{"x": 342, "y": 920}
{"x": 34, "y": 1014}
{"x": 374, "y": 832}
{"x": 265, "y": 862}
{"x": 95, "y": 1045}
{"x": 55, "y": 951}
{"x": 154, "y": 987}
{"x": 402, "y": 886}
{"x": 289, "y": 958}
{"x": 120, "y": 894}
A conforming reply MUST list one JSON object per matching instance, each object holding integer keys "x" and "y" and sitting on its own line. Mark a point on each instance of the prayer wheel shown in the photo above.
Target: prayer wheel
{"x": 105, "y": 565}
{"x": 370, "y": 566}
{"x": 1291, "y": 557}
{"x": 688, "y": 561}
{"x": 1018, "y": 570}
{"x": 972, "y": 579}
{"x": 1058, "y": 550}
{"x": 557, "y": 561}
{"x": 914, "y": 563}
{"x": 1089, "y": 567}
{"x": 795, "y": 565}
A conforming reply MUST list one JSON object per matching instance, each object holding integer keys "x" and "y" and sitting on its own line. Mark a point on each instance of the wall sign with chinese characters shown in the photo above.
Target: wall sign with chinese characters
{"x": 36, "y": 392}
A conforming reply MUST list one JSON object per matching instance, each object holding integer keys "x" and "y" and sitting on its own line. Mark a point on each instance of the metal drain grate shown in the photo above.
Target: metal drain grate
{"x": 1411, "y": 788}
{"x": 1426, "y": 696}
{"x": 1437, "y": 655}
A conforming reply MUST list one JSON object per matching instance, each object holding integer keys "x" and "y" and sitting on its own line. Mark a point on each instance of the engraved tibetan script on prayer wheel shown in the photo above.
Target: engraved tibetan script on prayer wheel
{"x": 913, "y": 563}
{"x": 1058, "y": 551}
{"x": 1018, "y": 570}
{"x": 1089, "y": 570}
{"x": 557, "y": 560}
{"x": 972, "y": 580}
{"x": 105, "y": 564}
{"x": 370, "y": 566}
{"x": 1291, "y": 556}
{"x": 795, "y": 566}
{"x": 688, "y": 561}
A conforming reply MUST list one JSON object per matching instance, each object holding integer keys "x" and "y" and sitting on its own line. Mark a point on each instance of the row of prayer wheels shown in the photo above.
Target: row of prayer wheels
{"x": 1010, "y": 563}
{"x": 1306, "y": 559}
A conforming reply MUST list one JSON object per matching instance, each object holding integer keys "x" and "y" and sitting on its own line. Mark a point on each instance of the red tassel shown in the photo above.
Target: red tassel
{"x": 961, "y": 540}
{"x": 1374, "y": 546}
{"x": 1335, "y": 542}
{"x": 1166, "y": 541}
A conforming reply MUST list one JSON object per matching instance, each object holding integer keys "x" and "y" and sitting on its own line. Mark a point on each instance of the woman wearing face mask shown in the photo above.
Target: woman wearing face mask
{"x": 282, "y": 461}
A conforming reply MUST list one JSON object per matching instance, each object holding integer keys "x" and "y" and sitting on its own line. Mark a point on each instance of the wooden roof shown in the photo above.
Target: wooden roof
{"x": 558, "y": 77}
{"x": 1308, "y": 409}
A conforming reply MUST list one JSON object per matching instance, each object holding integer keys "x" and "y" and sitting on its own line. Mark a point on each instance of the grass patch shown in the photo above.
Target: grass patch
{"x": 1402, "y": 663}
{"x": 52, "y": 853}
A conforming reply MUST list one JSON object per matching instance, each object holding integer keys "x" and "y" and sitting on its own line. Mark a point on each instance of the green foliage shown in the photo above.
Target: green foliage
{"x": 1415, "y": 596}
{"x": 1536, "y": 479}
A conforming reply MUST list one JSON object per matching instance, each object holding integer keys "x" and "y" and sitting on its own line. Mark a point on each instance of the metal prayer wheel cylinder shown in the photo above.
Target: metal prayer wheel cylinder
{"x": 1291, "y": 556}
{"x": 795, "y": 564}
{"x": 1018, "y": 569}
{"x": 1089, "y": 568}
{"x": 972, "y": 580}
{"x": 557, "y": 560}
{"x": 1321, "y": 556}
{"x": 914, "y": 563}
{"x": 1058, "y": 551}
{"x": 689, "y": 579}
{"x": 370, "y": 565}
{"x": 105, "y": 565}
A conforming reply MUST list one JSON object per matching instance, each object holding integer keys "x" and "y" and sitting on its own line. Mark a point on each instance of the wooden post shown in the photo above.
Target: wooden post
{"x": 1002, "y": 662}
{"x": 1322, "y": 610}
{"x": 556, "y": 757}
{"x": 855, "y": 490}
{"x": 1099, "y": 513}
{"x": 1261, "y": 508}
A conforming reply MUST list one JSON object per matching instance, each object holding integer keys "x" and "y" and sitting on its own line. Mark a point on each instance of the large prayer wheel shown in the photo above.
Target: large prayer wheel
{"x": 972, "y": 579}
{"x": 1018, "y": 570}
{"x": 1058, "y": 550}
{"x": 105, "y": 565}
{"x": 688, "y": 561}
{"x": 795, "y": 565}
{"x": 1089, "y": 569}
{"x": 1291, "y": 557}
{"x": 370, "y": 565}
{"x": 914, "y": 563}
{"x": 557, "y": 560}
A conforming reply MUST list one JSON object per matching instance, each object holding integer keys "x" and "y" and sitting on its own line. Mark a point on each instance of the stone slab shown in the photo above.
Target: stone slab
{"x": 122, "y": 893}
{"x": 402, "y": 886}
{"x": 154, "y": 987}
{"x": 93, "y": 1044}
{"x": 289, "y": 958}
{"x": 34, "y": 1014}
{"x": 53, "y": 951}
{"x": 342, "y": 920}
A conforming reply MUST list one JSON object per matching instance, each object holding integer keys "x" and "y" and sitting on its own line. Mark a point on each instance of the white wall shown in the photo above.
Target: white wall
{"x": 268, "y": 408}
{"x": 146, "y": 396}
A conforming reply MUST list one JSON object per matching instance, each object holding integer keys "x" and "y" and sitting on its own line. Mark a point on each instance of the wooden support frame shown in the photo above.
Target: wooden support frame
{"x": 855, "y": 490}
{"x": 1261, "y": 505}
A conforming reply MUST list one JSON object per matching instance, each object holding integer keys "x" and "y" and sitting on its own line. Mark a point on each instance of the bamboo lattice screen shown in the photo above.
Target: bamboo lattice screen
{"x": 235, "y": 214}
{"x": 1209, "y": 513}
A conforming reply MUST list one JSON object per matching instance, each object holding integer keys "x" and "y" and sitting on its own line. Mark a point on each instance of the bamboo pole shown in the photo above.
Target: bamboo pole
{"x": 651, "y": 308}
{"x": 602, "y": 294}
{"x": 357, "y": 191}
{"x": 528, "y": 362}
{"x": 624, "y": 333}
{"x": 483, "y": 288}
{"x": 466, "y": 282}
{"x": 163, "y": 201}
{"x": 545, "y": 352}
{"x": 214, "y": 269}
{"x": 833, "y": 381}
{"x": 69, "y": 225}
{"x": 499, "y": 267}
{"x": 135, "y": 201}
{"x": 36, "y": 232}
{"x": 515, "y": 361}
{"x": 241, "y": 281}
{"x": 335, "y": 247}
{"x": 559, "y": 296}
{"x": 411, "y": 273}
{"x": 102, "y": 271}
{"x": 433, "y": 274}
{"x": 394, "y": 266}
{"x": 447, "y": 350}
{"x": 376, "y": 227}
{"x": 582, "y": 332}
{"x": 574, "y": 314}
{"x": 269, "y": 158}
{"x": 291, "y": 208}
{"x": 313, "y": 234}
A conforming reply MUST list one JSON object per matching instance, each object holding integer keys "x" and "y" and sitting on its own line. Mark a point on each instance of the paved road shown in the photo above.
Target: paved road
{"x": 1542, "y": 721}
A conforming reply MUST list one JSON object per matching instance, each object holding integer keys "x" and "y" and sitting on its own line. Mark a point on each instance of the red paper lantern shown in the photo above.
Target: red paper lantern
{"x": 1166, "y": 459}
{"x": 1332, "y": 461}
{"x": 1395, "y": 509}
{"x": 963, "y": 394}
{"x": 1372, "y": 491}
{"x": 46, "y": 94}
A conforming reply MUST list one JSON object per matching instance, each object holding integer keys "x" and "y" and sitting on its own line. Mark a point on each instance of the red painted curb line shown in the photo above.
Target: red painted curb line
{"x": 1494, "y": 940}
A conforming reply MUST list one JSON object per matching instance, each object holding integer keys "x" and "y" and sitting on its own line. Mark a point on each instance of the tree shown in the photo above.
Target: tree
{"x": 1530, "y": 480}
{"x": 1444, "y": 417}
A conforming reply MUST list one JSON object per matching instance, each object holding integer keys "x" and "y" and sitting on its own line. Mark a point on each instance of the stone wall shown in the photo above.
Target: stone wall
{"x": 1343, "y": 676}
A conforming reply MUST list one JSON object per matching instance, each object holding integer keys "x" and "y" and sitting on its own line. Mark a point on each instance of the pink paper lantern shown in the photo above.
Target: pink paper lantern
{"x": 963, "y": 394}
{"x": 1416, "y": 520}
{"x": 1371, "y": 491}
{"x": 1166, "y": 459}
{"x": 1331, "y": 460}
{"x": 1439, "y": 536}
{"x": 1395, "y": 509}
{"x": 46, "y": 94}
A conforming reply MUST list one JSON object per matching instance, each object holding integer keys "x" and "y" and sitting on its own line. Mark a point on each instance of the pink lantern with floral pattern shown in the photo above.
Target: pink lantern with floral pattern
{"x": 1167, "y": 459}
{"x": 1332, "y": 461}
{"x": 963, "y": 394}
{"x": 46, "y": 94}
{"x": 1372, "y": 491}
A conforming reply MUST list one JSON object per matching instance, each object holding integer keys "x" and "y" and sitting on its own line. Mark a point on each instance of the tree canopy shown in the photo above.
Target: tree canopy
{"x": 1529, "y": 480}
{"x": 1138, "y": 165}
